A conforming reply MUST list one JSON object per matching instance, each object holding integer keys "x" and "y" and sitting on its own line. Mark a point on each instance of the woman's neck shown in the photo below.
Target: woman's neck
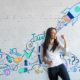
{"x": 52, "y": 41}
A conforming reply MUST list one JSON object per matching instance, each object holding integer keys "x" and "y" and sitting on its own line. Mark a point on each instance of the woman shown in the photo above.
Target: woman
{"x": 51, "y": 55}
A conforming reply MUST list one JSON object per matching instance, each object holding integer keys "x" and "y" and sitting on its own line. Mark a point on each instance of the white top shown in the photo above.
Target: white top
{"x": 55, "y": 56}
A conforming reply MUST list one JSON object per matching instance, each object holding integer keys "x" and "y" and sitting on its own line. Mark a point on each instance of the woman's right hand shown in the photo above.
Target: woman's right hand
{"x": 49, "y": 63}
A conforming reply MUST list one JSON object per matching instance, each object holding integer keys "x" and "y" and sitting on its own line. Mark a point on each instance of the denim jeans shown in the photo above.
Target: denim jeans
{"x": 54, "y": 72}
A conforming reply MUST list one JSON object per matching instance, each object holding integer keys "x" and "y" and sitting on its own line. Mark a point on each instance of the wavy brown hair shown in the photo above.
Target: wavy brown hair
{"x": 47, "y": 41}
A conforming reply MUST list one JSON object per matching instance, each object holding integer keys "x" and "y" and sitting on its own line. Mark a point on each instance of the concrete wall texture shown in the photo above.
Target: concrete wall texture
{"x": 22, "y": 30}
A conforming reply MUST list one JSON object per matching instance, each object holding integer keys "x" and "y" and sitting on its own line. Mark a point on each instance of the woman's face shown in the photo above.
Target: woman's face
{"x": 53, "y": 34}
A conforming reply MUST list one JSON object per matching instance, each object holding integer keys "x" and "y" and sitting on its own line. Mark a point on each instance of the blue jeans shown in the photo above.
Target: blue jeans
{"x": 54, "y": 72}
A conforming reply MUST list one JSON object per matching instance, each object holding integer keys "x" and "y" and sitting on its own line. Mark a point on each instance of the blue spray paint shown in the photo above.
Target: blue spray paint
{"x": 25, "y": 63}
{"x": 73, "y": 12}
{"x": 9, "y": 58}
{"x": 14, "y": 52}
{"x": 22, "y": 70}
{"x": 39, "y": 57}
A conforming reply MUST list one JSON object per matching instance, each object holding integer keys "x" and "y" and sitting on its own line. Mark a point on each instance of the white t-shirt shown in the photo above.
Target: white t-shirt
{"x": 55, "y": 56}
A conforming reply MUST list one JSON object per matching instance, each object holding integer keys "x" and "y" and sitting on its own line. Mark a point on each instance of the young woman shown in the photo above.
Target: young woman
{"x": 51, "y": 55}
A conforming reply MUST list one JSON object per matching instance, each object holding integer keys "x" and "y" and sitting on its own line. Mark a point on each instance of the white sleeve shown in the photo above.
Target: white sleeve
{"x": 64, "y": 49}
{"x": 61, "y": 44}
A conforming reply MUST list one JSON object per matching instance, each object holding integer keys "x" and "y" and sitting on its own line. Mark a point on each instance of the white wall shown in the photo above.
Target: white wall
{"x": 19, "y": 19}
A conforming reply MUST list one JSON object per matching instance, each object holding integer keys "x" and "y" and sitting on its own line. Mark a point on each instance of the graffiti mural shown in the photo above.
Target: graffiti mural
{"x": 70, "y": 15}
{"x": 26, "y": 61}
{"x": 31, "y": 59}
{"x": 72, "y": 62}
{"x": 14, "y": 59}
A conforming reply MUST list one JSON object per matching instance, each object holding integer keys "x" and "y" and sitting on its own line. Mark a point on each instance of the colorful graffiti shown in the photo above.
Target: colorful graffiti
{"x": 30, "y": 59}
{"x": 71, "y": 62}
{"x": 16, "y": 61}
{"x": 70, "y": 16}
{"x": 13, "y": 59}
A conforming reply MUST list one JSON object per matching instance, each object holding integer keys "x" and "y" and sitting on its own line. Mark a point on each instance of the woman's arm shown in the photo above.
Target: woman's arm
{"x": 65, "y": 46}
{"x": 62, "y": 36}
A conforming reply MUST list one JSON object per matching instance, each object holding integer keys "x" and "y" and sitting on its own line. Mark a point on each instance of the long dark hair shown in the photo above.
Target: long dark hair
{"x": 47, "y": 41}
